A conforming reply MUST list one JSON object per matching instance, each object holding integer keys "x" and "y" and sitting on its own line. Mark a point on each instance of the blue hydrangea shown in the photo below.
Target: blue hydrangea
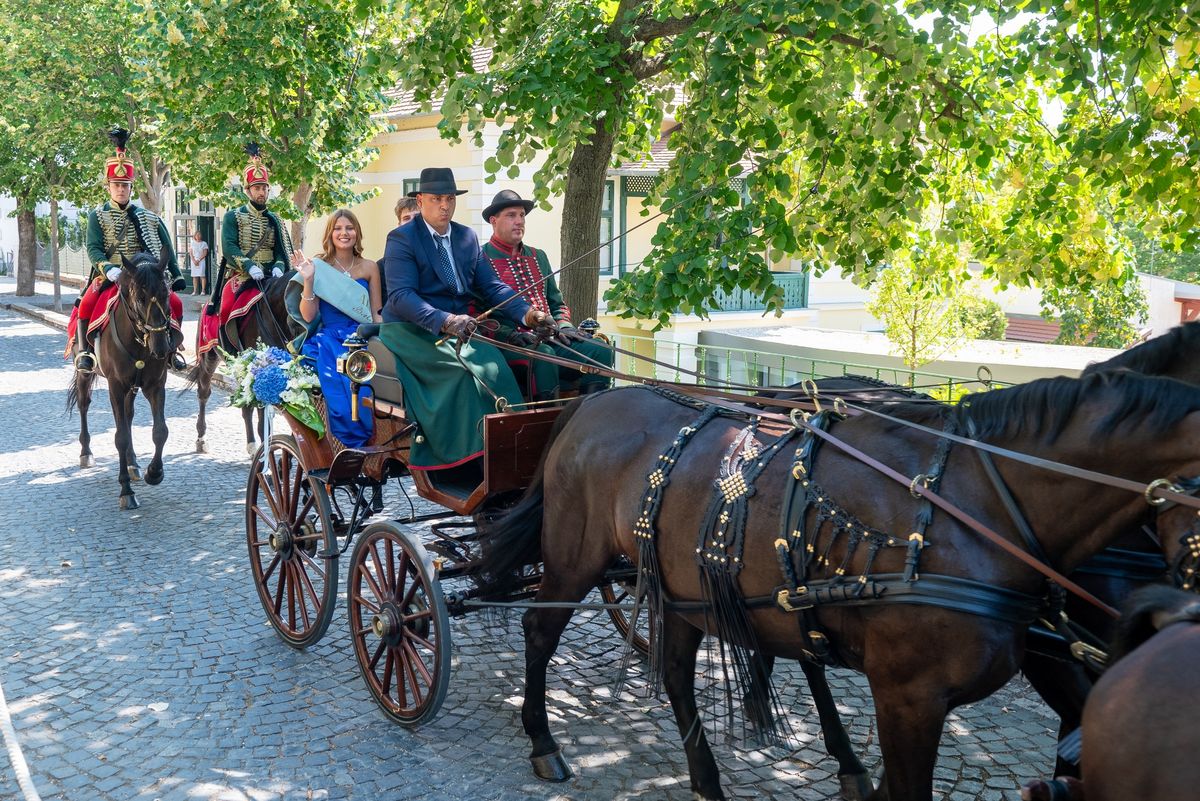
{"x": 269, "y": 384}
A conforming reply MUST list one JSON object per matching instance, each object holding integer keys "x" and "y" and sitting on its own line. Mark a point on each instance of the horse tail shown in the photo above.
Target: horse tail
{"x": 203, "y": 366}
{"x": 1147, "y": 610}
{"x": 73, "y": 393}
{"x": 513, "y": 539}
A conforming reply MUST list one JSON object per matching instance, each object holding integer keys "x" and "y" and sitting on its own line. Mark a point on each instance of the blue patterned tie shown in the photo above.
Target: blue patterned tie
{"x": 445, "y": 267}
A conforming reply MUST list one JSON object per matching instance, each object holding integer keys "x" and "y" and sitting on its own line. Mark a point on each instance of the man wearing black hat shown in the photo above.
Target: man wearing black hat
{"x": 527, "y": 270}
{"x": 434, "y": 267}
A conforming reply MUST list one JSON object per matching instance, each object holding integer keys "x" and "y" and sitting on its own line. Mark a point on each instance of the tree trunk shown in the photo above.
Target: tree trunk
{"x": 301, "y": 197}
{"x": 54, "y": 265}
{"x": 26, "y": 249}
{"x": 154, "y": 184}
{"x": 580, "y": 232}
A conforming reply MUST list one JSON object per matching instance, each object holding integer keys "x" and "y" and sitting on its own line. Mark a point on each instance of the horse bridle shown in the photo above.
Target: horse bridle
{"x": 1184, "y": 568}
{"x": 140, "y": 317}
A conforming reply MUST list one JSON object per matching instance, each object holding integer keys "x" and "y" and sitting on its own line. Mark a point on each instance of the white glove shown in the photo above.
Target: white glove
{"x": 276, "y": 273}
{"x": 113, "y": 273}
{"x": 256, "y": 272}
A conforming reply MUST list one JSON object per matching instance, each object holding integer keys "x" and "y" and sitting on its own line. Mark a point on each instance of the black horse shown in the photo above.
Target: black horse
{"x": 133, "y": 353}
{"x": 267, "y": 322}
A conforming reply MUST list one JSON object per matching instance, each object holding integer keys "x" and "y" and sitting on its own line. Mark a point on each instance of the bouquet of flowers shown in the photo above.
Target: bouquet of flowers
{"x": 271, "y": 375}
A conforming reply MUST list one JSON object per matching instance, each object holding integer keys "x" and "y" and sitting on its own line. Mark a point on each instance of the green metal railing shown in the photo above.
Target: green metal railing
{"x": 755, "y": 368}
{"x": 795, "y": 295}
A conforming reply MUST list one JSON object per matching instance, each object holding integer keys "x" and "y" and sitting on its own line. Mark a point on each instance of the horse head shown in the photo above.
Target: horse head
{"x": 146, "y": 293}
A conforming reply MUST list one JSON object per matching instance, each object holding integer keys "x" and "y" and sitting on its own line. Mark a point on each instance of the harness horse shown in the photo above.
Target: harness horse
{"x": 840, "y": 571}
{"x": 133, "y": 353}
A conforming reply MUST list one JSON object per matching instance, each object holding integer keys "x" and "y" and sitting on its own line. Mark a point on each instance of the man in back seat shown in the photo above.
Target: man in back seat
{"x": 451, "y": 380}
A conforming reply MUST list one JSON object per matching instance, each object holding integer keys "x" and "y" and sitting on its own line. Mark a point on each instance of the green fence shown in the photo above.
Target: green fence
{"x": 710, "y": 365}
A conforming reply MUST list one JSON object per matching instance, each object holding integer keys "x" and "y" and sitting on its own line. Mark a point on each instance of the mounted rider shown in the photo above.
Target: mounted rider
{"x": 119, "y": 228}
{"x": 254, "y": 242}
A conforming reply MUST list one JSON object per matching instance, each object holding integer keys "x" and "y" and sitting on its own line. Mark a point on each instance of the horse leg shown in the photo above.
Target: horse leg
{"x": 131, "y": 463}
{"x": 123, "y": 437}
{"x": 856, "y": 784}
{"x": 1064, "y": 687}
{"x": 205, "y": 366}
{"x": 83, "y": 401}
{"x": 680, "y": 641}
{"x": 910, "y": 718}
{"x": 156, "y": 396}
{"x": 248, "y": 422}
{"x": 543, "y": 629}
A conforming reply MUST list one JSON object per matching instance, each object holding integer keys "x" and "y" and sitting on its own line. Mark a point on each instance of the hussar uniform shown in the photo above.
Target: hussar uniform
{"x": 115, "y": 233}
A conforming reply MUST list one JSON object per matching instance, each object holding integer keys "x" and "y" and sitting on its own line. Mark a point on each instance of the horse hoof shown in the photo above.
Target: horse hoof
{"x": 154, "y": 477}
{"x": 86, "y": 461}
{"x": 855, "y": 786}
{"x": 551, "y": 767}
{"x": 201, "y": 446}
{"x": 129, "y": 502}
{"x": 135, "y": 473}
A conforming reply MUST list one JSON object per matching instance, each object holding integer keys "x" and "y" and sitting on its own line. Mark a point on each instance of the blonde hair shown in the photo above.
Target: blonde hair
{"x": 327, "y": 240}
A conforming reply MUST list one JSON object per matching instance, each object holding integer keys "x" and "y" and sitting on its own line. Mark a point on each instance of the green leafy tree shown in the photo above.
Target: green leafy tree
{"x": 859, "y": 118}
{"x": 983, "y": 316}
{"x": 920, "y": 318}
{"x": 305, "y": 81}
{"x": 1104, "y": 316}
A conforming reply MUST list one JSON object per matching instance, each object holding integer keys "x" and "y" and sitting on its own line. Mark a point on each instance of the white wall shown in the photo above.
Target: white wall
{"x": 8, "y": 227}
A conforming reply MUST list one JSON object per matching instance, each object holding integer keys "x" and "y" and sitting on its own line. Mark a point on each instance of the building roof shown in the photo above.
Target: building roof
{"x": 1027, "y": 328}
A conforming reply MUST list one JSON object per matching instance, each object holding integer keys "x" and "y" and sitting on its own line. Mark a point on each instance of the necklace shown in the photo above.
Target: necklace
{"x": 347, "y": 271}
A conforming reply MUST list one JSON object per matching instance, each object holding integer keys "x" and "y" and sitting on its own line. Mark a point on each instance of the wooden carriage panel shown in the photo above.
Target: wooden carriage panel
{"x": 315, "y": 452}
{"x": 512, "y": 446}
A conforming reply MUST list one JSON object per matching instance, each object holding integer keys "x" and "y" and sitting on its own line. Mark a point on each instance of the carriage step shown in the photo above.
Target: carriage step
{"x": 346, "y": 467}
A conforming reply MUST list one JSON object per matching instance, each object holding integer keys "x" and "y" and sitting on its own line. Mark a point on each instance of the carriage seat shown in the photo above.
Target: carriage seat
{"x": 386, "y": 383}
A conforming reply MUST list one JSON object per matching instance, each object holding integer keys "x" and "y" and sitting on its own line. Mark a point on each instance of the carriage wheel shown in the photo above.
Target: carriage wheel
{"x": 292, "y": 543}
{"x": 618, "y": 592}
{"x": 399, "y": 625}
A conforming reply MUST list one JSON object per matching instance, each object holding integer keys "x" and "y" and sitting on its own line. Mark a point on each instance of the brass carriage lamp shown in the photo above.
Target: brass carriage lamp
{"x": 357, "y": 364}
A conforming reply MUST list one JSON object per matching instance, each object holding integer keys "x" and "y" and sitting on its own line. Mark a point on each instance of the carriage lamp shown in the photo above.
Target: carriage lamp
{"x": 359, "y": 366}
{"x": 589, "y": 327}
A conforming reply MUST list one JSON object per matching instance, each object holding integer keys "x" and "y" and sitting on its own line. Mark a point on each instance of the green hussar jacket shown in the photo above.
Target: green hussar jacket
{"x": 250, "y": 236}
{"x": 113, "y": 232}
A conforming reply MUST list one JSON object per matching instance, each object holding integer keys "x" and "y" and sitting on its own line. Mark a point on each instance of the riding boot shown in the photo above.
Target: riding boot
{"x": 85, "y": 360}
{"x": 177, "y": 361}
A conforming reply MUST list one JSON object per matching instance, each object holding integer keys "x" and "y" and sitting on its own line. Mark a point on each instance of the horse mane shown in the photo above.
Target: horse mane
{"x": 148, "y": 274}
{"x": 1046, "y": 406}
{"x": 1138, "y": 616}
{"x": 1155, "y": 356}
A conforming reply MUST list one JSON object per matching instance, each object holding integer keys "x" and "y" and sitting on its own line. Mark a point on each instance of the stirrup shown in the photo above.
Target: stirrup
{"x": 85, "y": 361}
{"x": 177, "y": 361}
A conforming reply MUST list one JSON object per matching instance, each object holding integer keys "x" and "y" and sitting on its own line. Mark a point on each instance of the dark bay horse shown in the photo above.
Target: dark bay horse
{"x": 269, "y": 323}
{"x": 1139, "y": 726}
{"x": 132, "y": 353}
{"x": 921, "y": 660}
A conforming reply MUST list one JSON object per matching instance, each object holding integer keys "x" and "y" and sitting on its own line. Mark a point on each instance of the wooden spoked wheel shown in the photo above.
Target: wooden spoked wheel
{"x": 398, "y": 624}
{"x": 292, "y": 543}
{"x": 618, "y": 592}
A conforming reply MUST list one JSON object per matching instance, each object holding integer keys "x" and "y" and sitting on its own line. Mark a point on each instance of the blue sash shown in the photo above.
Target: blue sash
{"x": 335, "y": 287}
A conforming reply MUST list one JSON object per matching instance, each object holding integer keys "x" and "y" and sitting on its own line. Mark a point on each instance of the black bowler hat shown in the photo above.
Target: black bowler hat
{"x": 437, "y": 181}
{"x": 505, "y": 198}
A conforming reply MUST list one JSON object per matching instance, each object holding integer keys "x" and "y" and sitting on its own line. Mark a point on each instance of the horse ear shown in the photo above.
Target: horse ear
{"x": 126, "y": 263}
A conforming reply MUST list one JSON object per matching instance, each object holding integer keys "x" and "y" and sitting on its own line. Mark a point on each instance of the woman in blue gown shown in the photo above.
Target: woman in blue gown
{"x": 343, "y": 250}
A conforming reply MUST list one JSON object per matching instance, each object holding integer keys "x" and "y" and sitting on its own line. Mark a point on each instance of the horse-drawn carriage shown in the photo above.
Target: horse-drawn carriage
{"x": 849, "y": 583}
{"x": 308, "y": 503}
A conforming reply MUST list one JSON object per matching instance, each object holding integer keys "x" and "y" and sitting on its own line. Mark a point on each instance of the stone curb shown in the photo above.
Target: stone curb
{"x": 59, "y": 321}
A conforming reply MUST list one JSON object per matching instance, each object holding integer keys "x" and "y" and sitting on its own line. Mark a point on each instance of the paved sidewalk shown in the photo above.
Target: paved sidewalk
{"x": 138, "y": 666}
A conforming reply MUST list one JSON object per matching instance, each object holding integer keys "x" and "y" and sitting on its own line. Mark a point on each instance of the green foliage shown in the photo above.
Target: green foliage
{"x": 1104, "y": 316}
{"x": 872, "y": 127}
{"x": 921, "y": 321}
{"x": 72, "y": 232}
{"x": 1150, "y": 256}
{"x": 304, "y": 80}
{"x": 983, "y": 316}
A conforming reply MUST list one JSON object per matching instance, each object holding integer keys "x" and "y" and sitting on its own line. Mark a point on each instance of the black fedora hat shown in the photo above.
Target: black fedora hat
{"x": 504, "y": 199}
{"x": 437, "y": 181}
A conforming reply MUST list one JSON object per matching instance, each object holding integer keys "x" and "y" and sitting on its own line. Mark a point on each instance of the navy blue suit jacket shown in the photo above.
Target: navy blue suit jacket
{"x": 416, "y": 292}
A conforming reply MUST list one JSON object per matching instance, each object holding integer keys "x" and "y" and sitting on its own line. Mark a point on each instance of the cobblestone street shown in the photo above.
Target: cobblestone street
{"x": 137, "y": 663}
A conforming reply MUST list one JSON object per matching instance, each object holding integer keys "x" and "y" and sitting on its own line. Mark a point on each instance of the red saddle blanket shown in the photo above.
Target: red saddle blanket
{"x": 232, "y": 307}
{"x": 107, "y": 301}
